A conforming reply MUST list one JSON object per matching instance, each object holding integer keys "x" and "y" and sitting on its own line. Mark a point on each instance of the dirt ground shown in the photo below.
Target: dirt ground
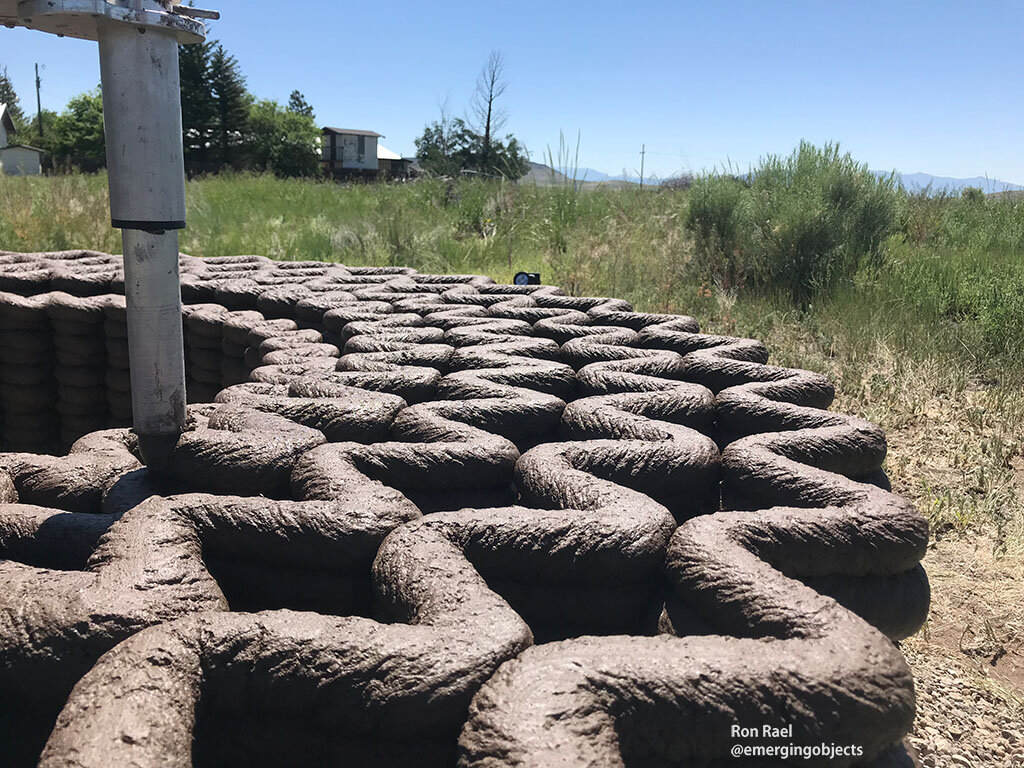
{"x": 968, "y": 660}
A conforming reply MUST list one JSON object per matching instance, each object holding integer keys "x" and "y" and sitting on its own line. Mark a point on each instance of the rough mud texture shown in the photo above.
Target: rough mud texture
{"x": 431, "y": 520}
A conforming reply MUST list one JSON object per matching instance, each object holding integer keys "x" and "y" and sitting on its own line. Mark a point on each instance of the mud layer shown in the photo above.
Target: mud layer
{"x": 432, "y": 520}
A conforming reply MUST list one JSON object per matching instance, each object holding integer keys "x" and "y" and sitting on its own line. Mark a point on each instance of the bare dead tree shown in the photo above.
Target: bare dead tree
{"x": 487, "y": 118}
{"x": 446, "y": 128}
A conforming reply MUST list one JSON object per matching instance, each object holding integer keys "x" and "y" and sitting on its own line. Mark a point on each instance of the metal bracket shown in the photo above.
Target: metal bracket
{"x": 80, "y": 18}
{"x": 195, "y": 13}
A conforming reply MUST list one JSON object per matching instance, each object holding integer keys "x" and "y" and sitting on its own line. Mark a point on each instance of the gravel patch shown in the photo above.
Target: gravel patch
{"x": 962, "y": 718}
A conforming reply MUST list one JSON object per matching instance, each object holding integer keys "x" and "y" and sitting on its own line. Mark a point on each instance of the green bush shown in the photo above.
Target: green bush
{"x": 820, "y": 216}
{"x": 803, "y": 224}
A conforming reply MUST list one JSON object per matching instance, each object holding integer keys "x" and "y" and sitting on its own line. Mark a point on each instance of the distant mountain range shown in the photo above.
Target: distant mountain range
{"x": 592, "y": 174}
{"x": 586, "y": 178}
{"x": 544, "y": 175}
{"x": 913, "y": 182}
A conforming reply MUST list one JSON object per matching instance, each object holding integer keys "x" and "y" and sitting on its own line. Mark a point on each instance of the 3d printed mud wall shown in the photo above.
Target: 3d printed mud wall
{"x": 428, "y": 520}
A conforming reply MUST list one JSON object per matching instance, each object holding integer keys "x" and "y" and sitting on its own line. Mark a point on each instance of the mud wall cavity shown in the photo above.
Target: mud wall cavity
{"x": 433, "y": 520}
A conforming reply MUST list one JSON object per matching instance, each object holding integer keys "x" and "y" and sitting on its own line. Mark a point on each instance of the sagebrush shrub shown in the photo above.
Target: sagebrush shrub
{"x": 802, "y": 224}
{"x": 820, "y": 216}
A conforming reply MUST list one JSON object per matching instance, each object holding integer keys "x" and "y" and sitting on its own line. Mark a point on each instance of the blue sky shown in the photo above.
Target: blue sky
{"x": 916, "y": 86}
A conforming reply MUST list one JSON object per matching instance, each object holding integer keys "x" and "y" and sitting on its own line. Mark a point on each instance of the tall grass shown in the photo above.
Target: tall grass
{"x": 975, "y": 223}
{"x": 954, "y": 266}
{"x": 721, "y": 220}
{"x": 56, "y": 213}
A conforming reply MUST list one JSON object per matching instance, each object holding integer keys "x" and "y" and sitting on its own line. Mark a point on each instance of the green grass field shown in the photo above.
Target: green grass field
{"x": 927, "y": 340}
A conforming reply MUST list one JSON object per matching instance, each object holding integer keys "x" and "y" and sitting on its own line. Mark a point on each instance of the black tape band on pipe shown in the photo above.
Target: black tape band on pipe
{"x": 147, "y": 226}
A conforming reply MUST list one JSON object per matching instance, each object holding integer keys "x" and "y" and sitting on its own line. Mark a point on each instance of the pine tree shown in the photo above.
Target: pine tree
{"x": 297, "y": 103}
{"x": 197, "y": 108}
{"x": 10, "y": 98}
{"x": 231, "y": 104}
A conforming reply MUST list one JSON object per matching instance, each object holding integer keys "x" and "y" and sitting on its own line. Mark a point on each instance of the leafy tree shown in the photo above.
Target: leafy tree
{"x": 505, "y": 158}
{"x": 77, "y": 134}
{"x": 198, "y": 115}
{"x": 297, "y": 103}
{"x": 448, "y": 147}
{"x": 231, "y": 103}
{"x": 10, "y": 98}
{"x": 281, "y": 141}
{"x": 30, "y": 135}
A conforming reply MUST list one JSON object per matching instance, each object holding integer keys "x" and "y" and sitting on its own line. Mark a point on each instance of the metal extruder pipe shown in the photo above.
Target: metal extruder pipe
{"x": 155, "y": 343}
{"x": 142, "y": 124}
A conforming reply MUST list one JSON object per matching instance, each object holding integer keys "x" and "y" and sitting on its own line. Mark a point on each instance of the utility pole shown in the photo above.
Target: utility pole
{"x": 39, "y": 103}
{"x": 643, "y": 151}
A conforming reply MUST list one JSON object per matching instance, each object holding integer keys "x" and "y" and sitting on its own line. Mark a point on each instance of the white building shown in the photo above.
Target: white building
{"x": 350, "y": 149}
{"x": 16, "y": 159}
